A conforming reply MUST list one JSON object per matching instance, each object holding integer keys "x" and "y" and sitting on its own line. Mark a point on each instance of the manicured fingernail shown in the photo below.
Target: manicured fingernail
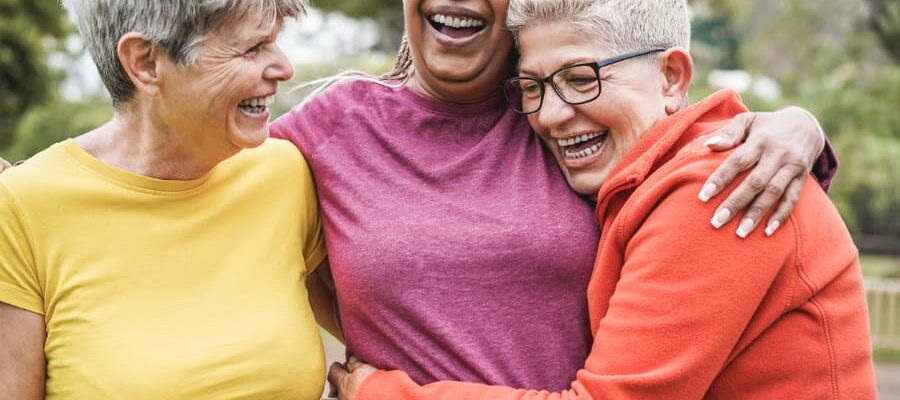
{"x": 744, "y": 229}
{"x": 720, "y": 218}
{"x": 707, "y": 192}
{"x": 714, "y": 141}
{"x": 773, "y": 226}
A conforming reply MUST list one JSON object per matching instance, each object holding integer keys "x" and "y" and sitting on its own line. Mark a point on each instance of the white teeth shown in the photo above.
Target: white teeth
{"x": 578, "y": 139}
{"x": 258, "y": 102}
{"x": 457, "y": 22}
{"x": 584, "y": 153}
{"x": 563, "y": 143}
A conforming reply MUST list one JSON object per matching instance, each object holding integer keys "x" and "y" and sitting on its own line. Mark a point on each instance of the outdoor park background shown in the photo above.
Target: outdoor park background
{"x": 839, "y": 59}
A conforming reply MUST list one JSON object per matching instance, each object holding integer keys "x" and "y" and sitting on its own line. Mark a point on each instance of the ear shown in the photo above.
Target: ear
{"x": 678, "y": 70}
{"x": 140, "y": 59}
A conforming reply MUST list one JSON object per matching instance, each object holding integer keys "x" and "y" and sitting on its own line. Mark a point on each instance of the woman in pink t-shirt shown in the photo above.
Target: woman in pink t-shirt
{"x": 457, "y": 250}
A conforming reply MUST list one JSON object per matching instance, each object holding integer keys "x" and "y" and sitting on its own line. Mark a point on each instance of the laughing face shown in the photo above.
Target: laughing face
{"x": 460, "y": 48}
{"x": 223, "y": 100}
{"x": 589, "y": 139}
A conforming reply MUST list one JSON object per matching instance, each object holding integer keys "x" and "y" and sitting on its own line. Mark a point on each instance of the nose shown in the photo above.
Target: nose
{"x": 554, "y": 112}
{"x": 280, "y": 69}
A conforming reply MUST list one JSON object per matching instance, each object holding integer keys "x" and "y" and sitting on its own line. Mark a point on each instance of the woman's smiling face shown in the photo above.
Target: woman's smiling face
{"x": 460, "y": 48}
{"x": 589, "y": 139}
{"x": 224, "y": 96}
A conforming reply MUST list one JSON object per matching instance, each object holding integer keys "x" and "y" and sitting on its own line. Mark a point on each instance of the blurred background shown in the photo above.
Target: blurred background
{"x": 840, "y": 59}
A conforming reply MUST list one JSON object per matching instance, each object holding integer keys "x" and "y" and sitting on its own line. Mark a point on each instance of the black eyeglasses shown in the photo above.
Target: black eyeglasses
{"x": 575, "y": 84}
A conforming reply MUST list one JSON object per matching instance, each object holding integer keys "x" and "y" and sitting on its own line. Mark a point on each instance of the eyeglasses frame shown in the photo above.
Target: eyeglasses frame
{"x": 595, "y": 65}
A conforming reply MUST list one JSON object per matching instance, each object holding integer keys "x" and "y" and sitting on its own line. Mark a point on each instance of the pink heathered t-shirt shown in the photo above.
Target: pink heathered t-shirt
{"x": 458, "y": 251}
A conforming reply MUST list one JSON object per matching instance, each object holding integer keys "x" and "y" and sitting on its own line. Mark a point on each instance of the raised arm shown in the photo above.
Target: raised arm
{"x": 784, "y": 146}
{"x": 22, "y": 365}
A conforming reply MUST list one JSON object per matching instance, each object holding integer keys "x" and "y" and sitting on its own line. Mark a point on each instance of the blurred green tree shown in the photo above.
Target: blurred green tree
{"x": 885, "y": 22}
{"x": 55, "y": 121}
{"x": 27, "y": 29}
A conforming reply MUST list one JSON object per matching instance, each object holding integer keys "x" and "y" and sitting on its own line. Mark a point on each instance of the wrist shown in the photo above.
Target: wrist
{"x": 812, "y": 118}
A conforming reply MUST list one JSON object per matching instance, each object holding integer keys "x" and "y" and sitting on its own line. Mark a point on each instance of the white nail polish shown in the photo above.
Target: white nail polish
{"x": 706, "y": 192}
{"x": 720, "y": 218}
{"x": 744, "y": 229}
{"x": 773, "y": 226}
{"x": 713, "y": 141}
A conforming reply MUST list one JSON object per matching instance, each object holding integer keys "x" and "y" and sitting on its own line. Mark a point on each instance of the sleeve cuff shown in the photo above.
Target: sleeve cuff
{"x": 20, "y": 299}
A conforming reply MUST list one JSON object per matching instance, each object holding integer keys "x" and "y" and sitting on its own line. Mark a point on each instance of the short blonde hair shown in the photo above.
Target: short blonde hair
{"x": 624, "y": 25}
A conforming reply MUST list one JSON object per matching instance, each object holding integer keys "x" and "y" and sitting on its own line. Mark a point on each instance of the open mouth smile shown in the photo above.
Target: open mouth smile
{"x": 257, "y": 105}
{"x": 584, "y": 146}
{"x": 456, "y": 26}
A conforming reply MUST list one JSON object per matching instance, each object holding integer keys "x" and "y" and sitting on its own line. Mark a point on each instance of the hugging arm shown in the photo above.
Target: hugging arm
{"x": 784, "y": 146}
{"x": 320, "y": 286}
{"x": 664, "y": 328}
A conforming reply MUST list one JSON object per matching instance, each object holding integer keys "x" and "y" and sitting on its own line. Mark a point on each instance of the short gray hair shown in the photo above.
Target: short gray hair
{"x": 624, "y": 25}
{"x": 176, "y": 25}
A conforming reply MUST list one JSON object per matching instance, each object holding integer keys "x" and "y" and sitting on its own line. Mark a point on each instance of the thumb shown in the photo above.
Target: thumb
{"x": 336, "y": 375}
{"x": 732, "y": 134}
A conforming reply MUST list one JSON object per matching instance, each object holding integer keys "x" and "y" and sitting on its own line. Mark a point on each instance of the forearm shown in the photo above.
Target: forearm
{"x": 322, "y": 300}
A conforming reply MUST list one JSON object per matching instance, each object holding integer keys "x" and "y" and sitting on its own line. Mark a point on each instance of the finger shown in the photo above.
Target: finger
{"x": 732, "y": 134}
{"x": 336, "y": 375}
{"x": 738, "y": 161}
{"x": 737, "y": 201}
{"x": 769, "y": 197}
{"x": 4, "y": 165}
{"x": 786, "y": 207}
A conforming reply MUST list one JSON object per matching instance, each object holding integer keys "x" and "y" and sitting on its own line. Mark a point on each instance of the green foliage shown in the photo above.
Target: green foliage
{"x": 55, "y": 121}
{"x": 857, "y": 99}
{"x": 867, "y": 188}
{"x": 25, "y": 80}
{"x": 885, "y": 22}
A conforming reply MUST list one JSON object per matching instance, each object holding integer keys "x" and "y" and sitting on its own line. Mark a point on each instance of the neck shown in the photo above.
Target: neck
{"x": 461, "y": 95}
{"x": 134, "y": 143}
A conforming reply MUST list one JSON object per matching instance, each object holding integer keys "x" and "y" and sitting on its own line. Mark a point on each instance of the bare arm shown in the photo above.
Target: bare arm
{"x": 320, "y": 286}
{"x": 22, "y": 364}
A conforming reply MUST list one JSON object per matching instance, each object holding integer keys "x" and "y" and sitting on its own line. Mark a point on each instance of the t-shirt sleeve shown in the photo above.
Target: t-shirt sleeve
{"x": 308, "y": 125}
{"x": 19, "y": 286}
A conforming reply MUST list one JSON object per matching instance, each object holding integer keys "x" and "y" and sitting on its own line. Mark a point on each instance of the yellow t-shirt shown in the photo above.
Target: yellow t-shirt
{"x": 156, "y": 289}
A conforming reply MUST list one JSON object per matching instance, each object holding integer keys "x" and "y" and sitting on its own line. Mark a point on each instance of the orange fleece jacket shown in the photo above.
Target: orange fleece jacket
{"x": 680, "y": 310}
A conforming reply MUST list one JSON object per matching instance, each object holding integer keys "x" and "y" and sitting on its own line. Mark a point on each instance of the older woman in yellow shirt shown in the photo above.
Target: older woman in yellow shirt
{"x": 147, "y": 259}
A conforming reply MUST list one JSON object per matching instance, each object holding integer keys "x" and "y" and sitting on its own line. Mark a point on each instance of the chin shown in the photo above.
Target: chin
{"x": 249, "y": 140}
{"x": 587, "y": 184}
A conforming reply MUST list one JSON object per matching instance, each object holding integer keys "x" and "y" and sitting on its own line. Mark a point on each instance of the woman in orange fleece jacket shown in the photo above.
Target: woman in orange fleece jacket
{"x": 677, "y": 311}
